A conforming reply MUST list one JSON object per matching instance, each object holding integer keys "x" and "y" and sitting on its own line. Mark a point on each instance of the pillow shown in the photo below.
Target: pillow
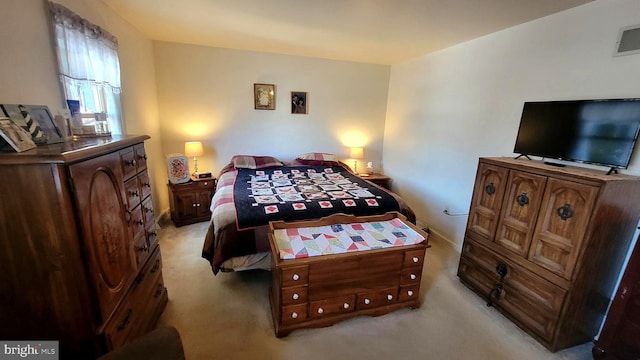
{"x": 318, "y": 159}
{"x": 254, "y": 162}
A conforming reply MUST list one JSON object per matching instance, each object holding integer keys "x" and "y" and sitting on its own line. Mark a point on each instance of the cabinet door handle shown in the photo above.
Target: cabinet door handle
{"x": 565, "y": 212}
{"x": 523, "y": 199}
{"x": 490, "y": 189}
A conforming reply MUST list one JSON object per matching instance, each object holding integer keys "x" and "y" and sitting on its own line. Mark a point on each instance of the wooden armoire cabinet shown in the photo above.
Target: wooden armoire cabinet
{"x": 620, "y": 335}
{"x": 545, "y": 244}
{"x": 79, "y": 259}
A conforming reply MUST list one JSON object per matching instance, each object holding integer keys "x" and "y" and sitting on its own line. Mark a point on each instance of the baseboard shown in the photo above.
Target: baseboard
{"x": 164, "y": 219}
{"x": 438, "y": 235}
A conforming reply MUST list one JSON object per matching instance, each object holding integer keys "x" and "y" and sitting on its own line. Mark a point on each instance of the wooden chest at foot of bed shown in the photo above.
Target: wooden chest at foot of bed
{"x": 318, "y": 291}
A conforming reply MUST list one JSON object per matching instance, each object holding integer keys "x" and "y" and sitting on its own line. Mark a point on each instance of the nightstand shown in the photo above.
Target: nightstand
{"x": 378, "y": 179}
{"x": 190, "y": 201}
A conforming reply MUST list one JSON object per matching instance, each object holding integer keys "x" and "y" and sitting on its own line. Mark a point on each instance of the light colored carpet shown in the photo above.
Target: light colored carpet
{"x": 227, "y": 316}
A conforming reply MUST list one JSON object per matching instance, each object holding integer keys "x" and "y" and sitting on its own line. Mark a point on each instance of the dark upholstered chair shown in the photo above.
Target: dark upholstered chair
{"x": 163, "y": 343}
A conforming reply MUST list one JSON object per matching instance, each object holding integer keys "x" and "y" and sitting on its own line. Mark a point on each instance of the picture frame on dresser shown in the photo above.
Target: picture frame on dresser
{"x": 20, "y": 115}
{"x": 43, "y": 116}
{"x": 14, "y": 135}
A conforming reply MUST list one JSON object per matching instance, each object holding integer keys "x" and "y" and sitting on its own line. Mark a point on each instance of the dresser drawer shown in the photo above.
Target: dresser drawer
{"x": 413, "y": 258}
{"x": 132, "y": 192}
{"x": 295, "y": 276}
{"x": 294, "y": 295}
{"x": 332, "y": 306}
{"x": 411, "y": 276}
{"x": 144, "y": 184}
{"x": 136, "y": 312}
{"x": 408, "y": 292}
{"x": 377, "y": 298}
{"x": 294, "y": 313}
{"x": 529, "y": 299}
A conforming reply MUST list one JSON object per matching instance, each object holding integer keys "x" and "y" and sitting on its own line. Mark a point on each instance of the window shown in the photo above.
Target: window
{"x": 89, "y": 66}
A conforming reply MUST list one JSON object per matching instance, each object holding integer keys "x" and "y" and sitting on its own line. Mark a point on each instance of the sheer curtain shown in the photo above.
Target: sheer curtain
{"x": 89, "y": 65}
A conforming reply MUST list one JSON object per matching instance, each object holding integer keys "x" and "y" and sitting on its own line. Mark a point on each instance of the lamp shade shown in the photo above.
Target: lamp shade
{"x": 193, "y": 148}
{"x": 356, "y": 153}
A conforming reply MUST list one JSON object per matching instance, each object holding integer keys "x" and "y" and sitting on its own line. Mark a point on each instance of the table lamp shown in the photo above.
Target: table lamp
{"x": 193, "y": 148}
{"x": 356, "y": 153}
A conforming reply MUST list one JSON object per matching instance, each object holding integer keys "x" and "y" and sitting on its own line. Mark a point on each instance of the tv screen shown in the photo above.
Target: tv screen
{"x": 602, "y": 132}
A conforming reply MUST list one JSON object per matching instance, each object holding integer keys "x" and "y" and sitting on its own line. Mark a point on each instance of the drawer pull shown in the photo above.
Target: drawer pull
{"x": 142, "y": 157}
{"x": 410, "y": 293}
{"x": 152, "y": 234}
{"x": 130, "y": 162}
{"x": 125, "y": 321}
{"x": 158, "y": 291}
{"x": 133, "y": 193}
{"x": 294, "y": 315}
{"x": 345, "y": 305}
{"x": 156, "y": 266}
{"x": 295, "y": 277}
{"x": 139, "y": 222}
{"x": 367, "y": 301}
{"x": 295, "y": 296}
{"x": 495, "y": 293}
{"x": 413, "y": 276}
{"x": 320, "y": 310}
{"x": 389, "y": 297}
{"x": 147, "y": 185}
{"x": 415, "y": 259}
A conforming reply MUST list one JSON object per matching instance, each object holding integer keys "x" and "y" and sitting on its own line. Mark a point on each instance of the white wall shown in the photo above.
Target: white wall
{"x": 28, "y": 70}
{"x": 448, "y": 108}
{"x": 206, "y": 94}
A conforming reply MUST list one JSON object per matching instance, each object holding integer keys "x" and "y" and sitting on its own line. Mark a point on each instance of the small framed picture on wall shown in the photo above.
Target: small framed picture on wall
{"x": 264, "y": 96}
{"x": 299, "y": 102}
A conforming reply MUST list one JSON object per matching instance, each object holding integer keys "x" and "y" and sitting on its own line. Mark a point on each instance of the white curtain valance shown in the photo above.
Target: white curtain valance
{"x": 87, "y": 54}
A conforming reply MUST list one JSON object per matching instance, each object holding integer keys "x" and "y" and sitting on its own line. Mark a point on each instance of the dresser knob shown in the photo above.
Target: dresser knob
{"x": 415, "y": 259}
{"x": 320, "y": 310}
{"x": 389, "y": 297}
{"x": 410, "y": 293}
{"x": 147, "y": 185}
{"x": 139, "y": 222}
{"x": 294, "y": 315}
{"x": 413, "y": 276}
{"x": 142, "y": 157}
{"x": 345, "y": 305}
{"x": 295, "y": 277}
{"x": 130, "y": 162}
{"x": 133, "y": 193}
{"x": 367, "y": 301}
{"x": 295, "y": 296}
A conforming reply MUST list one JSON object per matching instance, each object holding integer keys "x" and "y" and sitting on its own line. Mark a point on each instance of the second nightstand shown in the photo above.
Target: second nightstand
{"x": 378, "y": 179}
{"x": 190, "y": 201}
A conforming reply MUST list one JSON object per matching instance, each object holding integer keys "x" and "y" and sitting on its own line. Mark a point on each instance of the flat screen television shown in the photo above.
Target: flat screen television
{"x": 601, "y": 132}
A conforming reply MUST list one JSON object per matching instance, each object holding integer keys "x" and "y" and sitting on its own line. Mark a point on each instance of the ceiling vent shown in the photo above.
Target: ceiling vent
{"x": 628, "y": 41}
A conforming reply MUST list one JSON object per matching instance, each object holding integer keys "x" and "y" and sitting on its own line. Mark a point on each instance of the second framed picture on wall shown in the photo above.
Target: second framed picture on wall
{"x": 264, "y": 96}
{"x": 299, "y": 103}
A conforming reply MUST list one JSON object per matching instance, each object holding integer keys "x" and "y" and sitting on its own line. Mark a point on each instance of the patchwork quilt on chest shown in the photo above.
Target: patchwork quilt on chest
{"x": 296, "y": 243}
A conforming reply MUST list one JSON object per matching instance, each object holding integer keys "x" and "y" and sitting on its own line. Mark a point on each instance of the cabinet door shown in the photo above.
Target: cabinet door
{"x": 487, "y": 199}
{"x": 561, "y": 225}
{"x": 186, "y": 204}
{"x": 520, "y": 210}
{"x": 204, "y": 202}
{"x": 100, "y": 198}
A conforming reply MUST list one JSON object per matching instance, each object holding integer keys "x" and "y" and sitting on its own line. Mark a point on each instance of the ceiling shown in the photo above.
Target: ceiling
{"x": 370, "y": 31}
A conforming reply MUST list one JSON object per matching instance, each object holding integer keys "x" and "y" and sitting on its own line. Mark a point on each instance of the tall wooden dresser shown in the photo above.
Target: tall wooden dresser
{"x": 620, "y": 336}
{"x": 545, "y": 244}
{"x": 79, "y": 257}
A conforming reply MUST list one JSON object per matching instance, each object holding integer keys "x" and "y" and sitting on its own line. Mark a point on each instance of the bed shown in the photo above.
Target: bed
{"x": 253, "y": 190}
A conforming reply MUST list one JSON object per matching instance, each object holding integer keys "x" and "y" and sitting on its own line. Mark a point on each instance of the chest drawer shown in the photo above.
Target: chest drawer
{"x": 521, "y": 290}
{"x": 377, "y": 298}
{"x": 337, "y": 305}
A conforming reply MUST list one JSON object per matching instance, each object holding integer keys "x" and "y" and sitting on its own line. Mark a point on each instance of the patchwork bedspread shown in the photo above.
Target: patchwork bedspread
{"x": 246, "y": 200}
{"x": 300, "y": 193}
